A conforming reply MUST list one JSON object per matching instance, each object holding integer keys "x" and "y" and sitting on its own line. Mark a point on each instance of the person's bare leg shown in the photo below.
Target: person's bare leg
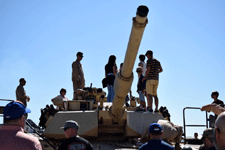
{"x": 156, "y": 102}
{"x": 150, "y": 101}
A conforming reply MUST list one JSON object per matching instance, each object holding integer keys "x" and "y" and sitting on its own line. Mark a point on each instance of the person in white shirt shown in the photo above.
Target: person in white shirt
{"x": 142, "y": 60}
{"x": 61, "y": 97}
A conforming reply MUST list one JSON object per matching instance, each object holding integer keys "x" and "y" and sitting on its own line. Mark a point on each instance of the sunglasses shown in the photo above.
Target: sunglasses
{"x": 65, "y": 129}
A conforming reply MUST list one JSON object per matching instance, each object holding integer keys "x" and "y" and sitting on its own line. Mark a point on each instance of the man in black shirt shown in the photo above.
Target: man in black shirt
{"x": 74, "y": 142}
{"x": 214, "y": 96}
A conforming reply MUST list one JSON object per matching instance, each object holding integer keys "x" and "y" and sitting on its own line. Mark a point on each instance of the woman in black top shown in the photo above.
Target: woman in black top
{"x": 110, "y": 73}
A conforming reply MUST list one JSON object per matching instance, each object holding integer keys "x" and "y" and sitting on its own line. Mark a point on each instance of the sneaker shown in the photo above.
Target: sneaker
{"x": 149, "y": 109}
{"x": 156, "y": 111}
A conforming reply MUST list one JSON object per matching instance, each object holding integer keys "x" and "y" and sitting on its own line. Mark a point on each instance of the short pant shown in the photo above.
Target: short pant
{"x": 141, "y": 96}
{"x": 151, "y": 87}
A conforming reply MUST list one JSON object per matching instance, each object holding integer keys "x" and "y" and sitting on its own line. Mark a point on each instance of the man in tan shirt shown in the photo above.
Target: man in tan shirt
{"x": 77, "y": 73}
{"x": 21, "y": 93}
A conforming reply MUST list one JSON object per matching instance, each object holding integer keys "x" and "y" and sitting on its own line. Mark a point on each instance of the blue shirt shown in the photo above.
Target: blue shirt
{"x": 156, "y": 145}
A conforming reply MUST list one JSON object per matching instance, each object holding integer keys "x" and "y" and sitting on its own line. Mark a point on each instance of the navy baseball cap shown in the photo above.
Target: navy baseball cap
{"x": 15, "y": 110}
{"x": 155, "y": 128}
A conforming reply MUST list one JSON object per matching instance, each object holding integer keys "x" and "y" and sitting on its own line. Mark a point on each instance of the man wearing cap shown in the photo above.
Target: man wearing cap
{"x": 207, "y": 139}
{"x": 21, "y": 93}
{"x": 152, "y": 79}
{"x": 219, "y": 132}
{"x": 74, "y": 142}
{"x": 156, "y": 142}
{"x": 12, "y": 136}
{"x": 77, "y": 73}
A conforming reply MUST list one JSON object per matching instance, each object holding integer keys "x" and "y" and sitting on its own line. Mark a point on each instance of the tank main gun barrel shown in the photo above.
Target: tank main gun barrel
{"x": 124, "y": 78}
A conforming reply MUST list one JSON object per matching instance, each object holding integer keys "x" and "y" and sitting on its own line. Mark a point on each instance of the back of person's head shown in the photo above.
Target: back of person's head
{"x": 13, "y": 112}
{"x": 208, "y": 133}
{"x": 219, "y": 135}
{"x": 62, "y": 90}
{"x": 215, "y": 93}
{"x": 155, "y": 129}
{"x": 112, "y": 59}
{"x": 142, "y": 57}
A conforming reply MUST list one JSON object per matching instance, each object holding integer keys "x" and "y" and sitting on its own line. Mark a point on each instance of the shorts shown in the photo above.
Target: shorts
{"x": 151, "y": 87}
{"x": 141, "y": 96}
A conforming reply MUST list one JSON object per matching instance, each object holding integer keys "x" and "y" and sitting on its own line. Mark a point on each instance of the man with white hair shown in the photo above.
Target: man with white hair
{"x": 219, "y": 133}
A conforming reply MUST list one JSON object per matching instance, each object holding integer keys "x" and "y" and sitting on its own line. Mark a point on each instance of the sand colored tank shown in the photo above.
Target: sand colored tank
{"x": 105, "y": 120}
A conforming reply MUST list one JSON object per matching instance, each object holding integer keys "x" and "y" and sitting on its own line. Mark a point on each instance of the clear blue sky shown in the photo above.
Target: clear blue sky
{"x": 39, "y": 41}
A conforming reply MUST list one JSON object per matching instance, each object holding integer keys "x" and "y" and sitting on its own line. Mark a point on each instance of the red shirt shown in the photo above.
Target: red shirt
{"x": 12, "y": 137}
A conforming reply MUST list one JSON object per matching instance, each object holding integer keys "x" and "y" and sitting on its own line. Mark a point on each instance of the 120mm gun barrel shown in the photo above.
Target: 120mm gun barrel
{"x": 124, "y": 78}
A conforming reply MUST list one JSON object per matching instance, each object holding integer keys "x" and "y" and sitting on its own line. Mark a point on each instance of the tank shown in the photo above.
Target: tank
{"x": 97, "y": 118}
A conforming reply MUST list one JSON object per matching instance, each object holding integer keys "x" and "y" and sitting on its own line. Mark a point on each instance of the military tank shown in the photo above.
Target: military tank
{"x": 97, "y": 118}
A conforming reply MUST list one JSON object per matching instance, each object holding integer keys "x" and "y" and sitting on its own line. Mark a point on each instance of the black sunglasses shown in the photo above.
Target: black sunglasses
{"x": 65, "y": 129}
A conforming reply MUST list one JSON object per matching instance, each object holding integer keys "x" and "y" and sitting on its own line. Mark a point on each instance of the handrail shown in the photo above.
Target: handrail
{"x": 192, "y": 124}
{"x": 7, "y": 100}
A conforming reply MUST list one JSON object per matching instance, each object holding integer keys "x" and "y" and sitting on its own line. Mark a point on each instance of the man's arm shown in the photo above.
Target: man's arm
{"x": 214, "y": 108}
{"x": 160, "y": 68}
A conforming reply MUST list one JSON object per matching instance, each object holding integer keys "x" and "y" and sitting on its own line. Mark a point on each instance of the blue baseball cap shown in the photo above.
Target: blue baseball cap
{"x": 155, "y": 128}
{"x": 15, "y": 110}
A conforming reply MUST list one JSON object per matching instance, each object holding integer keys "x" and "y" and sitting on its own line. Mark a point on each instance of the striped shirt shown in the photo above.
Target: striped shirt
{"x": 154, "y": 65}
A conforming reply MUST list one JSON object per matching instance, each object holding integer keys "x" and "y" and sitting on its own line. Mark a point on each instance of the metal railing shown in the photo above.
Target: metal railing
{"x": 192, "y": 125}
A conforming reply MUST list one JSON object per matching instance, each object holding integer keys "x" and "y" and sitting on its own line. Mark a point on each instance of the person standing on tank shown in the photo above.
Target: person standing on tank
{"x": 142, "y": 61}
{"x": 77, "y": 73}
{"x": 110, "y": 73}
{"x": 152, "y": 80}
{"x": 21, "y": 93}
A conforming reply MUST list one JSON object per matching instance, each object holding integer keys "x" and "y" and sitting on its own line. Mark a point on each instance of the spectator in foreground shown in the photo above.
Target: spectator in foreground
{"x": 12, "y": 136}
{"x": 219, "y": 133}
{"x": 207, "y": 139}
{"x": 156, "y": 143}
{"x": 74, "y": 142}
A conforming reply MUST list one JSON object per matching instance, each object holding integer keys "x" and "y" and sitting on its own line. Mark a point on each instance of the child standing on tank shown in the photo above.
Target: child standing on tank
{"x": 141, "y": 87}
